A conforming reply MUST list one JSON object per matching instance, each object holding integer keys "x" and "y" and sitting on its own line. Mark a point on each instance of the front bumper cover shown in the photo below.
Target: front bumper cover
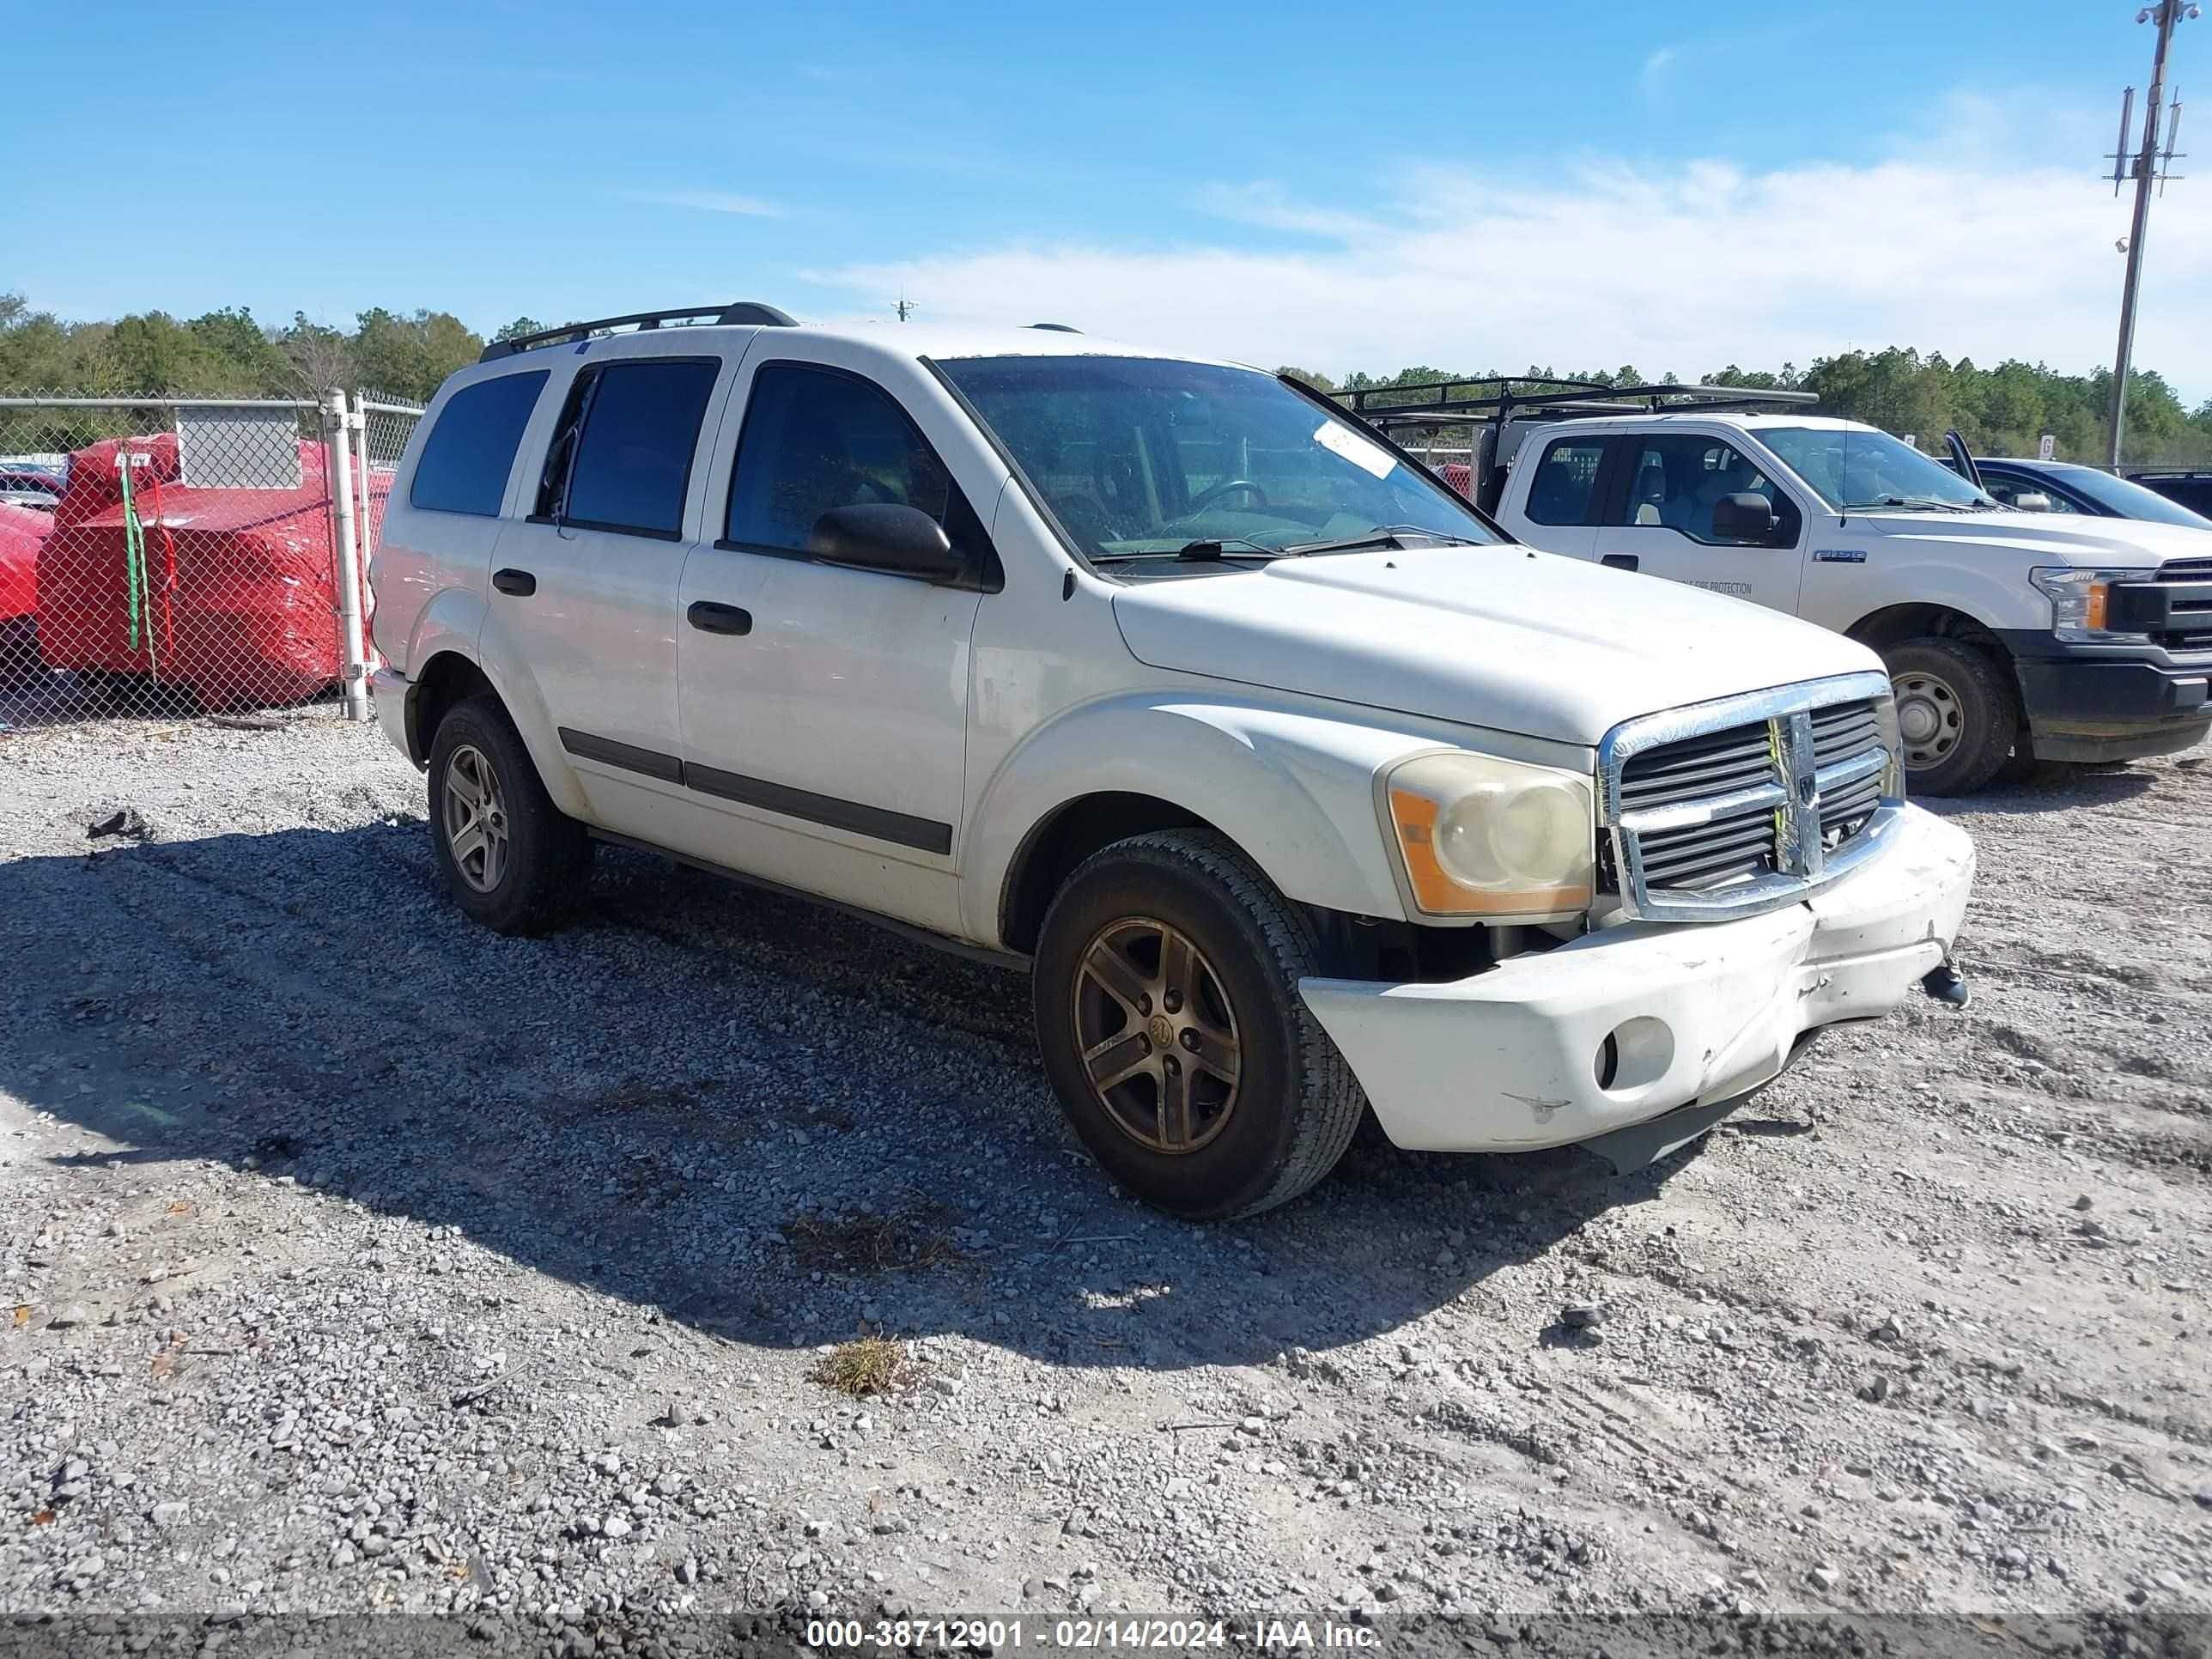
{"x": 1510, "y": 1059}
{"x": 2103, "y": 702}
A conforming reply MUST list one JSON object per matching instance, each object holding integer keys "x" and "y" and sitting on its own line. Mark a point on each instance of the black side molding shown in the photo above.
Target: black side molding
{"x": 627, "y": 756}
{"x": 923, "y": 835}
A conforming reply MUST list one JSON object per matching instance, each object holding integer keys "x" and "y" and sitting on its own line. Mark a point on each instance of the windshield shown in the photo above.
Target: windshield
{"x": 1852, "y": 468}
{"x": 1151, "y": 459}
{"x": 2131, "y": 499}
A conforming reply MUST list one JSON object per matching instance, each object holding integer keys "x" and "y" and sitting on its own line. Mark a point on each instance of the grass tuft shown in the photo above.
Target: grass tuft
{"x": 866, "y": 1365}
{"x": 866, "y": 1243}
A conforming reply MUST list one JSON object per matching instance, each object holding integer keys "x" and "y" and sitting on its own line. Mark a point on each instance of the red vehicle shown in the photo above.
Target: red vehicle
{"x": 234, "y": 595}
{"x": 22, "y": 532}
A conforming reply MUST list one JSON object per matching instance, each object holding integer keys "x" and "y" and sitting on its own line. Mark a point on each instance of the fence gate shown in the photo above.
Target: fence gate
{"x": 165, "y": 556}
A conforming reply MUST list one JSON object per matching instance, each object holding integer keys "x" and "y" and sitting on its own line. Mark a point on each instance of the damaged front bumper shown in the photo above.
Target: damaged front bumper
{"x": 1644, "y": 1019}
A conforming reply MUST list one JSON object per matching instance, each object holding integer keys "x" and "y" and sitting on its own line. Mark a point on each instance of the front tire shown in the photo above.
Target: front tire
{"x": 1166, "y": 991}
{"x": 1958, "y": 717}
{"x": 512, "y": 860}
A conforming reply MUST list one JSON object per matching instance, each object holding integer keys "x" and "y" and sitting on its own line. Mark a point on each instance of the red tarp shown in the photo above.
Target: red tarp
{"x": 21, "y": 530}
{"x": 249, "y": 618}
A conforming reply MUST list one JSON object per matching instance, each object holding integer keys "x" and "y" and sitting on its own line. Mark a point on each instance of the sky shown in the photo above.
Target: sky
{"x": 1472, "y": 185}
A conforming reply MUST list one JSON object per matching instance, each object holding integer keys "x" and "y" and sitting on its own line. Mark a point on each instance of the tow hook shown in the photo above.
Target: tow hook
{"x": 1946, "y": 984}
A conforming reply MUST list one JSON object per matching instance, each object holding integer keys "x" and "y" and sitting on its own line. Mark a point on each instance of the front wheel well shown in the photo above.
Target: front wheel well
{"x": 447, "y": 679}
{"x": 1049, "y": 855}
{"x": 1896, "y": 624}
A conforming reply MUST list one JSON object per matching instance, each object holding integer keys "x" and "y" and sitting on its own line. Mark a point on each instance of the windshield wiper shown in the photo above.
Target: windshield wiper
{"x": 1202, "y": 552}
{"x": 1916, "y": 503}
{"x": 1382, "y": 535}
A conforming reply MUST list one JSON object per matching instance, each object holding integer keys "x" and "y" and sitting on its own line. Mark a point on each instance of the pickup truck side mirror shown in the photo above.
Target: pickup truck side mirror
{"x": 1746, "y": 516}
{"x": 2031, "y": 500}
{"x": 900, "y": 541}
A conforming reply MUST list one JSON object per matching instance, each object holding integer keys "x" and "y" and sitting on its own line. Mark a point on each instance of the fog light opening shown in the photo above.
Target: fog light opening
{"x": 1635, "y": 1053}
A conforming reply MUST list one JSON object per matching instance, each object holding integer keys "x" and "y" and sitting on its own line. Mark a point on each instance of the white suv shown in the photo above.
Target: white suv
{"x": 1299, "y": 788}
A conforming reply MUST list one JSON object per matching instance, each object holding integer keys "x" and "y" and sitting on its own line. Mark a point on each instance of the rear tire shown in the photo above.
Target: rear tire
{"x": 512, "y": 860}
{"x": 1958, "y": 719}
{"x": 1170, "y": 960}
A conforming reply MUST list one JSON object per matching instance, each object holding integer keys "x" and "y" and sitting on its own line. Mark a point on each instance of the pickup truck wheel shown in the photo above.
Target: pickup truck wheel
{"x": 1955, "y": 713}
{"x": 513, "y": 859}
{"x": 1169, "y": 1014}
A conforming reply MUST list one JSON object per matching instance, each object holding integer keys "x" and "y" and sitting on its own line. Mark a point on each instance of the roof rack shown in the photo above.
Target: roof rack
{"x": 749, "y": 312}
{"x": 1566, "y": 400}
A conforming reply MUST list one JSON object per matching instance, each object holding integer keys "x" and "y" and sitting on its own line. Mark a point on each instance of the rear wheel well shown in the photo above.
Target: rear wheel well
{"x": 1072, "y": 834}
{"x": 448, "y": 679}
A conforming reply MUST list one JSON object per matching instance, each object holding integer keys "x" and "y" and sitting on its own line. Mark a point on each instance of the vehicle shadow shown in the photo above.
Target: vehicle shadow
{"x": 2056, "y": 789}
{"x": 772, "y": 1122}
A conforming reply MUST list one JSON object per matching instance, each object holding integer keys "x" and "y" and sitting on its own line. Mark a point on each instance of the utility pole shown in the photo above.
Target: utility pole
{"x": 905, "y": 307}
{"x": 2147, "y": 167}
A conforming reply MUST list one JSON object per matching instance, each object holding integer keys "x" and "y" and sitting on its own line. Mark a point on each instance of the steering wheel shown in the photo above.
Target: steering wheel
{"x": 1207, "y": 497}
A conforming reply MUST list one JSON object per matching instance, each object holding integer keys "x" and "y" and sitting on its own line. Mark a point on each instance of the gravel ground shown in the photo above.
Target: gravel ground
{"x": 360, "y": 1260}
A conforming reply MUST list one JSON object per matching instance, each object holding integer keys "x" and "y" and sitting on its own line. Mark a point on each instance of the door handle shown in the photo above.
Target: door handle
{"x": 1621, "y": 561}
{"x": 521, "y": 583}
{"x": 710, "y": 617}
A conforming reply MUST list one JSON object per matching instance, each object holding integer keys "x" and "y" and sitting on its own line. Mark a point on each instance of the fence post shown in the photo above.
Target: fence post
{"x": 338, "y": 471}
{"x": 367, "y": 524}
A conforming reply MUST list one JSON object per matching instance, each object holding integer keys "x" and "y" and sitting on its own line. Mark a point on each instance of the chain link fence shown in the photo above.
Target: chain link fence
{"x": 183, "y": 557}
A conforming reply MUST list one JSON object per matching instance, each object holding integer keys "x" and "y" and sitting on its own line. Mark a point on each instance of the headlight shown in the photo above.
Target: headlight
{"x": 2078, "y": 600}
{"x": 1499, "y": 839}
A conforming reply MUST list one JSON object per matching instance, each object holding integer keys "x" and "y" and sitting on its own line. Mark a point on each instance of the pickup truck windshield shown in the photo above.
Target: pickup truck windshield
{"x": 1152, "y": 461}
{"x": 1853, "y": 470}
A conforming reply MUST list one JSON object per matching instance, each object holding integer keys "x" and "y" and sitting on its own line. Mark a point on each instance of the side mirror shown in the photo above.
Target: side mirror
{"x": 901, "y": 541}
{"x": 2031, "y": 500}
{"x": 1747, "y": 517}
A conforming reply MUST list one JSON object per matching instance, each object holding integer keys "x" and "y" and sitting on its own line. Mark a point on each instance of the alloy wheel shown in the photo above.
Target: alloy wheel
{"x": 1157, "y": 1035}
{"x": 476, "y": 818}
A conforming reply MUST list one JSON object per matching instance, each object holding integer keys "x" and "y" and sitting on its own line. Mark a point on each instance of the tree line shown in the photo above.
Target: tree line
{"x": 2002, "y": 410}
{"x": 231, "y": 353}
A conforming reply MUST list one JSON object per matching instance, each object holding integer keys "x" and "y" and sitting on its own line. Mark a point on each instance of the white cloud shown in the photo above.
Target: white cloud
{"x": 1656, "y": 65}
{"x": 1267, "y": 204}
{"x": 708, "y": 201}
{"x": 1686, "y": 267}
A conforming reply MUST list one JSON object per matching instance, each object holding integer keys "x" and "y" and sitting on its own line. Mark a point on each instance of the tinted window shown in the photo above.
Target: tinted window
{"x": 1679, "y": 478}
{"x": 1560, "y": 492}
{"x": 2131, "y": 500}
{"x": 467, "y": 456}
{"x": 633, "y": 458}
{"x": 813, "y": 441}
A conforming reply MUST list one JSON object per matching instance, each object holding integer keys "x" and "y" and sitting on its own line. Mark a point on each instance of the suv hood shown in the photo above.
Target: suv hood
{"x": 2053, "y": 538}
{"x": 1503, "y": 638}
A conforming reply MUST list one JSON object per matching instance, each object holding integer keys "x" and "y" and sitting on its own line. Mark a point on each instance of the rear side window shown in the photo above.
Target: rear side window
{"x": 467, "y": 456}
{"x": 1560, "y": 492}
{"x": 622, "y": 457}
{"x": 814, "y": 441}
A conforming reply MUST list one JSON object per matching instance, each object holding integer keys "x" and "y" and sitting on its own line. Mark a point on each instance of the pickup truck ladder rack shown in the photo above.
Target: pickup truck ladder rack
{"x": 750, "y": 312}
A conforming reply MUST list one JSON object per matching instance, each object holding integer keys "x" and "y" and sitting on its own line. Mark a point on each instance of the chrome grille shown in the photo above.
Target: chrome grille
{"x": 1727, "y": 808}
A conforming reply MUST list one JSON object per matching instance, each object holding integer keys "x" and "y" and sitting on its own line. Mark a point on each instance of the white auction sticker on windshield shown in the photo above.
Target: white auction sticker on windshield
{"x": 1368, "y": 457}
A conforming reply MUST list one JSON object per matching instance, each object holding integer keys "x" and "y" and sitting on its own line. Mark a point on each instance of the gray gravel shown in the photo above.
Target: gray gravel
{"x": 353, "y": 1259}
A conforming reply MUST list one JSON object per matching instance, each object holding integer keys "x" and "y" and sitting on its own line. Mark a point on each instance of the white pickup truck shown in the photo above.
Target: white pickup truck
{"x": 2010, "y": 636}
{"x": 1296, "y": 788}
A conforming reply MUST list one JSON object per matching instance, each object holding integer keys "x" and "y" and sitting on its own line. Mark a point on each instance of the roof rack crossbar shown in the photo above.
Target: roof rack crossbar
{"x": 1572, "y": 397}
{"x": 749, "y": 312}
